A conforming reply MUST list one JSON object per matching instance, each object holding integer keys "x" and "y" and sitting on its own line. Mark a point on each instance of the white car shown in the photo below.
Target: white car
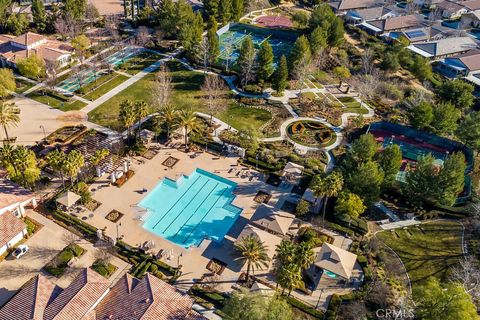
{"x": 20, "y": 251}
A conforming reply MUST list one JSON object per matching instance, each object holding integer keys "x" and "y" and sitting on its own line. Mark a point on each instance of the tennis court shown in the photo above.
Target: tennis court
{"x": 231, "y": 40}
{"x": 274, "y": 21}
{"x": 88, "y": 75}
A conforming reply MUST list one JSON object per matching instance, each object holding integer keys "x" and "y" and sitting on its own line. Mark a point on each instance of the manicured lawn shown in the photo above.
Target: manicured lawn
{"x": 137, "y": 64}
{"x": 106, "y": 87}
{"x": 105, "y": 269}
{"x": 22, "y": 85}
{"x": 186, "y": 93}
{"x": 55, "y": 102}
{"x": 57, "y": 266}
{"x": 96, "y": 83}
{"x": 429, "y": 249}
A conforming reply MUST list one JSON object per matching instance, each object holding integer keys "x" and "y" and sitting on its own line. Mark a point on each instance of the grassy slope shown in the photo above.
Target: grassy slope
{"x": 186, "y": 94}
{"x": 428, "y": 253}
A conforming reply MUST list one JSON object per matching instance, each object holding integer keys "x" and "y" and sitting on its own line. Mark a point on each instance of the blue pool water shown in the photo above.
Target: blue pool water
{"x": 192, "y": 208}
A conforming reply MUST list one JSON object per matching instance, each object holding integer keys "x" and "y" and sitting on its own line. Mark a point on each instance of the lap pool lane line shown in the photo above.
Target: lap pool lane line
{"x": 191, "y": 200}
{"x": 197, "y": 209}
{"x": 226, "y": 189}
{"x": 179, "y": 198}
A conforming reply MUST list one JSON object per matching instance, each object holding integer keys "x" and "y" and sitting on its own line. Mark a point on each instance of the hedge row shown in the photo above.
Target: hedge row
{"x": 333, "y": 307}
{"x": 84, "y": 228}
{"x": 305, "y": 308}
{"x": 356, "y": 224}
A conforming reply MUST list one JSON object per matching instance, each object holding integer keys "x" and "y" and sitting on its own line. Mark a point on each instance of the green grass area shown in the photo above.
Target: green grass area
{"x": 106, "y": 87}
{"x": 23, "y": 85}
{"x": 96, "y": 83}
{"x": 429, "y": 249}
{"x": 106, "y": 269}
{"x": 56, "y": 102}
{"x": 138, "y": 63}
{"x": 186, "y": 93}
{"x": 57, "y": 266}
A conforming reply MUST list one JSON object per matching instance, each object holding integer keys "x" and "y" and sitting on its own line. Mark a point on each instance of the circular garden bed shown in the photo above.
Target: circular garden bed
{"x": 311, "y": 133}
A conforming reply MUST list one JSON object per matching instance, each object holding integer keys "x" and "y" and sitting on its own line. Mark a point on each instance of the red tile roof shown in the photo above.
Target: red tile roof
{"x": 11, "y": 193}
{"x": 149, "y": 298}
{"x": 79, "y": 297}
{"x": 10, "y": 226}
{"x": 31, "y": 301}
{"x": 28, "y": 38}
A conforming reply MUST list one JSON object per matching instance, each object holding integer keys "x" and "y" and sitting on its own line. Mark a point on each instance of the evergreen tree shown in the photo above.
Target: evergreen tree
{"x": 17, "y": 23}
{"x": 168, "y": 18}
{"x": 421, "y": 184}
{"x": 445, "y": 117}
{"x": 39, "y": 15}
{"x": 300, "y": 52}
{"x": 318, "y": 40}
{"x": 225, "y": 11}
{"x": 361, "y": 151}
{"x": 324, "y": 17}
{"x": 213, "y": 45}
{"x": 366, "y": 181}
{"x": 76, "y": 8}
{"x": 457, "y": 92}
{"x": 421, "y": 115}
{"x": 246, "y": 61}
{"x": 281, "y": 75}
{"x": 265, "y": 61}
{"x": 191, "y": 29}
{"x": 349, "y": 204}
{"x": 469, "y": 130}
{"x": 390, "y": 162}
{"x": 421, "y": 68}
{"x": 211, "y": 8}
{"x": 237, "y": 9}
{"x": 451, "y": 179}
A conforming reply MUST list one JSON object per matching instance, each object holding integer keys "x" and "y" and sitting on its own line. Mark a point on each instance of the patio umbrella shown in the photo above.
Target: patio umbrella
{"x": 68, "y": 199}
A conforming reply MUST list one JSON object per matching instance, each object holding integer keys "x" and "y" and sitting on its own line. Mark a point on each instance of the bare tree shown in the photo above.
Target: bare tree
{"x": 367, "y": 84}
{"x": 367, "y": 61}
{"x": 353, "y": 311}
{"x": 51, "y": 68}
{"x": 213, "y": 87}
{"x": 467, "y": 273}
{"x": 158, "y": 36}
{"x": 67, "y": 26}
{"x": 143, "y": 36}
{"x": 302, "y": 71}
{"x": 203, "y": 53}
{"x": 103, "y": 254}
{"x": 162, "y": 87}
{"x": 91, "y": 14}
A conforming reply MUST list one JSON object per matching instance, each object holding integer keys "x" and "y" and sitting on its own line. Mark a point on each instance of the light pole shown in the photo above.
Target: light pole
{"x": 44, "y": 134}
{"x": 118, "y": 225}
{"x": 256, "y": 162}
{"x": 319, "y": 297}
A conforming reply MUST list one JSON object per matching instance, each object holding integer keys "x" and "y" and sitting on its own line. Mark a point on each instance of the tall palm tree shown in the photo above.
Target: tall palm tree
{"x": 56, "y": 160}
{"x": 127, "y": 114}
{"x": 289, "y": 277}
{"x": 73, "y": 162}
{"x": 326, "y": 187}
{"x": 8, "y": 116}
{"x": 169, "y": 115}
{"x": 189, "y": 122}
{"x": 7, "y": 157}
{"x": 285, "y": 252}
{"x": 21, "y": 156}
{"x": 141, "y": 111}
{"x": 253, "y": 252}
{"x": 304, "y": 255}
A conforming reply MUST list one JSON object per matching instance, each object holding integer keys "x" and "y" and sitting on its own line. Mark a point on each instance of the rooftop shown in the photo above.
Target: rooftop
{"x": 28, "y": 38}
{"x": 471, "y": 59}
{"x": 273, "y": 219}
{"x": 11, "y": 193}
{"x": 336, "y": 260}
{"x": 10, "y": 226}
{"x": 471, "y": 4}
{"x": 443, "y": 47}
{"x": 401, "y": 22}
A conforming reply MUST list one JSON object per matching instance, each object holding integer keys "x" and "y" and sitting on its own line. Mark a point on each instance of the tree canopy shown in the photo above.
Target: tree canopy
{"x": 31, "y": 67}
{"x": 469, "y": 130}
{"x": 265, "y": 61}
{"x": 323, "y": 16}
{"x": 349, "y": 204}
{"x": 252, "y": 306}
{"x": 7, "y": 82}
{"x": 457, "y": 92}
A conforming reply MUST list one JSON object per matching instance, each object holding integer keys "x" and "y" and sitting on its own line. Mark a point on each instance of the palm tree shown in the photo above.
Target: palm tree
{"x": 169, "y": 115}
{"x": 127, "y": 114}
{"x": 304, "y": 255}
{"x": 73, "y": 162}
{"x": 327, "y": 187}
{"x": 21, "y": 159}
{"x": 289, "y": 277}
{"x": 253, "y": 252}
{"x": 285, "y": 252}
{"x": 8, "y": 116}
{"x": 189, "y": 121}
{"x": 56, "y": 160}
{"x": 7, "y": 157}
{"x": 141, "y": 111}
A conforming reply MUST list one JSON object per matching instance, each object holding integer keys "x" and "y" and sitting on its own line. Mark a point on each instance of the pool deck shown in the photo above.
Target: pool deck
{"x": 147, "y": 175}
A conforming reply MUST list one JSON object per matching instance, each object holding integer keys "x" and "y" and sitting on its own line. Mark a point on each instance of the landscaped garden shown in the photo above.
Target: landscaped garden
{"x": 57, "y": 266}
{"x": 99, "y": 89}
{"x": 311, "y": 133}
{"x": 105, "y": 268}
{"x": 56, "y": 100}
{"x": 429, "y": 249}
{"x": 186, "y": 93}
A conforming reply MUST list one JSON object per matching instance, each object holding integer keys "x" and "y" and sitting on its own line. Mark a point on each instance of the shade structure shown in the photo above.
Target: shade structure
{"x": 68, "y": 199}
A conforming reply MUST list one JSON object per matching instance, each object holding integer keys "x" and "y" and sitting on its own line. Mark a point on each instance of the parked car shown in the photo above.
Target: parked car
{"x": 20, "y": 251}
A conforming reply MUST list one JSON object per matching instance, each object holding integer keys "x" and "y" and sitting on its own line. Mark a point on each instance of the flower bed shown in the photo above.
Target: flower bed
{"x": 114, "y": 216}
{"x": 57, "y": 266}
{"x": 310, "y": 133}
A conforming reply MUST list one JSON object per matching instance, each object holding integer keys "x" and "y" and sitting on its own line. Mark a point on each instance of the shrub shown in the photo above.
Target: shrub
{"x": 76, "y": 249}
{"x": 153, "y": 268}
{"x": 104, "y": 269}
{"x": 305, "y": 308}
{"x": 253, "y": 88}
{"x": 31, "y": 227}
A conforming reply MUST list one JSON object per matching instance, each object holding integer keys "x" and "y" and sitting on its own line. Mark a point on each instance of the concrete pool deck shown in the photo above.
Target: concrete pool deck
{"x": 147, "y": 175}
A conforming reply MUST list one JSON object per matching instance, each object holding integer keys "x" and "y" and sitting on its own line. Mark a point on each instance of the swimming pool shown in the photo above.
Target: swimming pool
{"x": 191, "y": 209}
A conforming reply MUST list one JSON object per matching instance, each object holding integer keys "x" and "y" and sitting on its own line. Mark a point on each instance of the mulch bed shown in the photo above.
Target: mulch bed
{"x": 262, "y": 197}
{"x": 170, "y": 162}
{"x": 216, "y": 266}
{"x": 114, "y": 216}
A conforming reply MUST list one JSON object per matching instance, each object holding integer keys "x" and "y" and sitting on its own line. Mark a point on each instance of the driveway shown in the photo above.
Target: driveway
{"x": 44, "y": 245}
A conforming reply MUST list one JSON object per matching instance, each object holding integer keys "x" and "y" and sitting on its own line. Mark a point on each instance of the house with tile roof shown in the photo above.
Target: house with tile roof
{"x": 466, "y": 65}
{"x": 272, "y": 219}
{"x": 342, "y": 6}
{"x": 357, "y": 16}
{"x": 12, "y": 231}
{"x": 443, "y": 48}
{"x": 450, "y": 9}
{"x": 91, "y": 297}
{"x": 14, "y": 48}
{"x": 391, "y": 24}
{"x": 471, "y": 19}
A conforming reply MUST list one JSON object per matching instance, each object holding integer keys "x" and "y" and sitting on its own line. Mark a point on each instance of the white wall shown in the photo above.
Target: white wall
{"x": 14, "y": 241}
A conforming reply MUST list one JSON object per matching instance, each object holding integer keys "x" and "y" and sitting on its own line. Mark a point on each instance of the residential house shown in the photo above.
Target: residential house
{"x": 14, "y": 198}
{"x": 449, "y": 10}
{"x": 443, "y": 48}
{"x": 471, "y": 5}
{"x": 471, "y": 19}
{"x": 426, "y": 3}
{"x": 89, "y": 297}
{"x": 12, "y": 231}
{"x": 332, "y": 262}
{"x": 14, "y": 48}
{"x": 272, "y": 219}
{"x": 357, "y": 16}
{"x": 343, "y": 6}
{"x": 466, "y": 65}
{"x": 417, "y": 34}
{"x": 383, "y": 26}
